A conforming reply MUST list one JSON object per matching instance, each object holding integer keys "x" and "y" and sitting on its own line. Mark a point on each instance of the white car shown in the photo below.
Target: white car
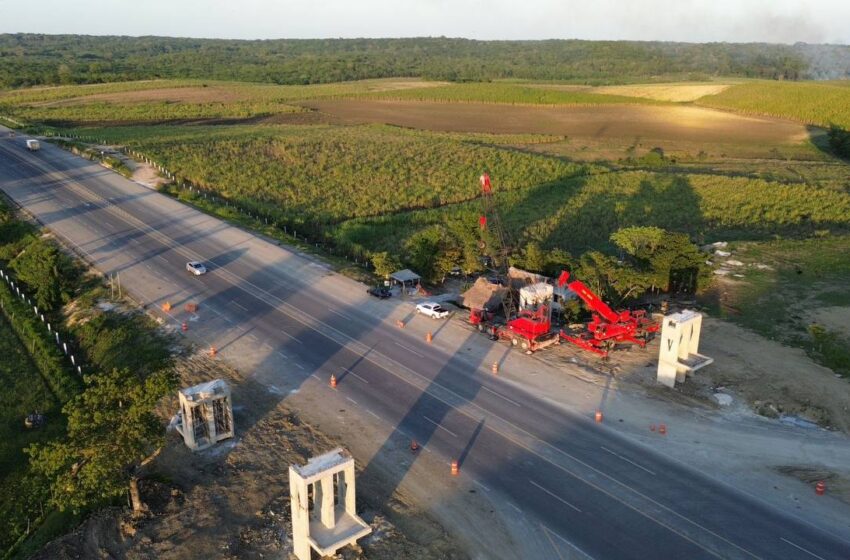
{"x": 196, "y": 268}
{"x": 432, "y": 310}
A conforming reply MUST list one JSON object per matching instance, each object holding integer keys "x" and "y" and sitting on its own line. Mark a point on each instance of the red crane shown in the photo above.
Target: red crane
{"x": 607, "y": 327}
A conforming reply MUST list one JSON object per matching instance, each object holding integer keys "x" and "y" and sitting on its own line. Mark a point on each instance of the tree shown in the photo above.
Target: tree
{"x": 37, "y": 266}
{"x": 668, "y": 259}
{"x": 533, "y": 257}
{"x": 385, "y": 264}
{"x": 448, "y": 258}
{"x": 112, "y": 428}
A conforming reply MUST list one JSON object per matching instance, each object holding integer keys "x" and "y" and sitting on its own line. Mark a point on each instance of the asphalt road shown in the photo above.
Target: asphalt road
{"x": 601, "y": 495}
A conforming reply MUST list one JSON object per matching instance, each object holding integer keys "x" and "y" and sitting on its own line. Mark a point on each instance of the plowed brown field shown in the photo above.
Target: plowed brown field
{"x": 604, "y": 121}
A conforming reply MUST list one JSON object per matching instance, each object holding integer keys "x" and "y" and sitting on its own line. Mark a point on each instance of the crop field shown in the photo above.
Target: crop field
{"x": 580, "y": 213}
{"x": 817, "y": 103}
{"x": 507, "y": 93}
{"x": 675, "y": 92}
{"x": 330, "y": 173}
{"x": 599, "y": 122}
{"x": 164, "y": 100}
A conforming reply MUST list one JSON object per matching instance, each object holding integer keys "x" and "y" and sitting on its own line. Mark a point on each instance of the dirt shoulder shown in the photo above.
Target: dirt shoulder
{"x": 232, "y": 501}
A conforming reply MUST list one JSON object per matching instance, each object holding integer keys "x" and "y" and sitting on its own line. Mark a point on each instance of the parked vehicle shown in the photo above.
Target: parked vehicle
{"x": 379, "y": 292}
{"x": 433, "y": 310}
{"x": 33, "y": 145}
{"x": 196, "y": 268}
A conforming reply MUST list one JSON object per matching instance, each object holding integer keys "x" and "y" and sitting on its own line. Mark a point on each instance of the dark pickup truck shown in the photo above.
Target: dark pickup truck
{"x": 379, "y": 292}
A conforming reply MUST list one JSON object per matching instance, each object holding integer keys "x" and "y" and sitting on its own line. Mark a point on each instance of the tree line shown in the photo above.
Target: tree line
{"x": 36, "y": 59}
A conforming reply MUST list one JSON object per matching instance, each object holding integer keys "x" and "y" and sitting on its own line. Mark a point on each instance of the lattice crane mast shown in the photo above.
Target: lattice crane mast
{"x": 490, "y": 222}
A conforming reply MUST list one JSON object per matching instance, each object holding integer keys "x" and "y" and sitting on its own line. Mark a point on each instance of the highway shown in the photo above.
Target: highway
{"x": 602, "y": 495}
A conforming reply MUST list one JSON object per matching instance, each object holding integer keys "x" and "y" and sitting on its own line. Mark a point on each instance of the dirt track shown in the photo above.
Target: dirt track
{"x": 604, "y": 121}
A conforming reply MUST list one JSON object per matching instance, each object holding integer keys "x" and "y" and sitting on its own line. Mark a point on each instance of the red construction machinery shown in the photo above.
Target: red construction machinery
{"x": 607, "y": 327}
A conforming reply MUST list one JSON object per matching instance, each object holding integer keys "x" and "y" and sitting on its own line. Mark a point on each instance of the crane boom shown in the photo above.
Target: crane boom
{"x": 594, "y": 302}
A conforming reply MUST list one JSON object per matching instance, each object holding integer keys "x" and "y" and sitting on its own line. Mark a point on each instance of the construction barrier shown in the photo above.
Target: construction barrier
{"x": 333, "y": 381}
{"x": 598, "y": 416}
{"x": 820, "y": 488}
{"x": 455, "y": 468}
{"x": 191, "y": 307}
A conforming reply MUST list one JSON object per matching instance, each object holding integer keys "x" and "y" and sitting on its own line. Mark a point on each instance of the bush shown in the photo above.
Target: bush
{"x": 51, "y": 363}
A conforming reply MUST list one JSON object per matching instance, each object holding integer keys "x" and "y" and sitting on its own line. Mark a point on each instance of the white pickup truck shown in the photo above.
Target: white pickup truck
{"x": 432, "y": 310}
{"x": 33, "y": 145}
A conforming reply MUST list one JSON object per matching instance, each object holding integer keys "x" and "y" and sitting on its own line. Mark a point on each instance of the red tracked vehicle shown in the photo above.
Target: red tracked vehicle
{"x": 607, "y": 327}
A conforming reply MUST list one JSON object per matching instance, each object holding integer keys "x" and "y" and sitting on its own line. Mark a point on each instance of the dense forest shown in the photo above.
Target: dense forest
{"x": 31, "y": 59}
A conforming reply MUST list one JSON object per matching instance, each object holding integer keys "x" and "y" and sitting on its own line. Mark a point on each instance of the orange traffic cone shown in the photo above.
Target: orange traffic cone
{"x": 213, "y": 351}
{"x": 662, "y": 429}
{"x": 495, "y": 368}
{"x": 455, "y": 468}
{"x": 414, "y": 447}
{"x": 820, "y": 488}
{"x": 184, "y": 327}
{"x": 429, "y": 338}
{"x": 598, "y": 416}
{"x": 333, "y": 381}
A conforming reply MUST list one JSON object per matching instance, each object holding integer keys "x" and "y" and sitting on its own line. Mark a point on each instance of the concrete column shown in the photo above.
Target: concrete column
{"x": 327, "y": 513}
{"x": 300, "y": 516}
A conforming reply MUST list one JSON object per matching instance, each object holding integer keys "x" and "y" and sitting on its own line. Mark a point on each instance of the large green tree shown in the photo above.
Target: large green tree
{"x": 112, "y": 428}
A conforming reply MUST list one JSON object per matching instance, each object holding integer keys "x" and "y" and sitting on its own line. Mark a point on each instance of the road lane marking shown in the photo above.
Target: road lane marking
{"x": 513, "y": 505}
{"x": 236, "y": 303}
{"x": 550, "y": 532}
{"x": 500, "y": 395}
{"x": 163, "y": 259}
{"x": 314, "y": 375}
{"x": 409, "y": 349}
{"x": 299, "y": 366}
{"x": 290, "y": 336}
{"x": 355, "y": 375}
{"x": 481, "y": 484}
{"x": 343, "y": 315}
{"x": 557, "y": 497}
{"x": 282, "y": 355}
{"x": 627, "y": 460}
{"x": 439, "y": 426}
{"x": 797, "y": 546}
{"x": 352, "y": 400}
{"x": 373, "y": 414}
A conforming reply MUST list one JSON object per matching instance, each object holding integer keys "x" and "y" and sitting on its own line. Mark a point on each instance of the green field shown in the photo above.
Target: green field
{"x": 324, "y": 174}
{"x": 579, "y": 214}
{"x": 817, "y": 103}
{"x": 24, "y": 392}
{"x": 499, "y": 92}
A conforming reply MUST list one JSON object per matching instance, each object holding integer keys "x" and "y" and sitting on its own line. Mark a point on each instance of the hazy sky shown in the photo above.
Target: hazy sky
{"x": 784, "y": 21}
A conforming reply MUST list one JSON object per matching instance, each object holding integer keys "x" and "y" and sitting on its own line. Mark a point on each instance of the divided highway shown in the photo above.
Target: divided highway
{"x": 603, "y": 496}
